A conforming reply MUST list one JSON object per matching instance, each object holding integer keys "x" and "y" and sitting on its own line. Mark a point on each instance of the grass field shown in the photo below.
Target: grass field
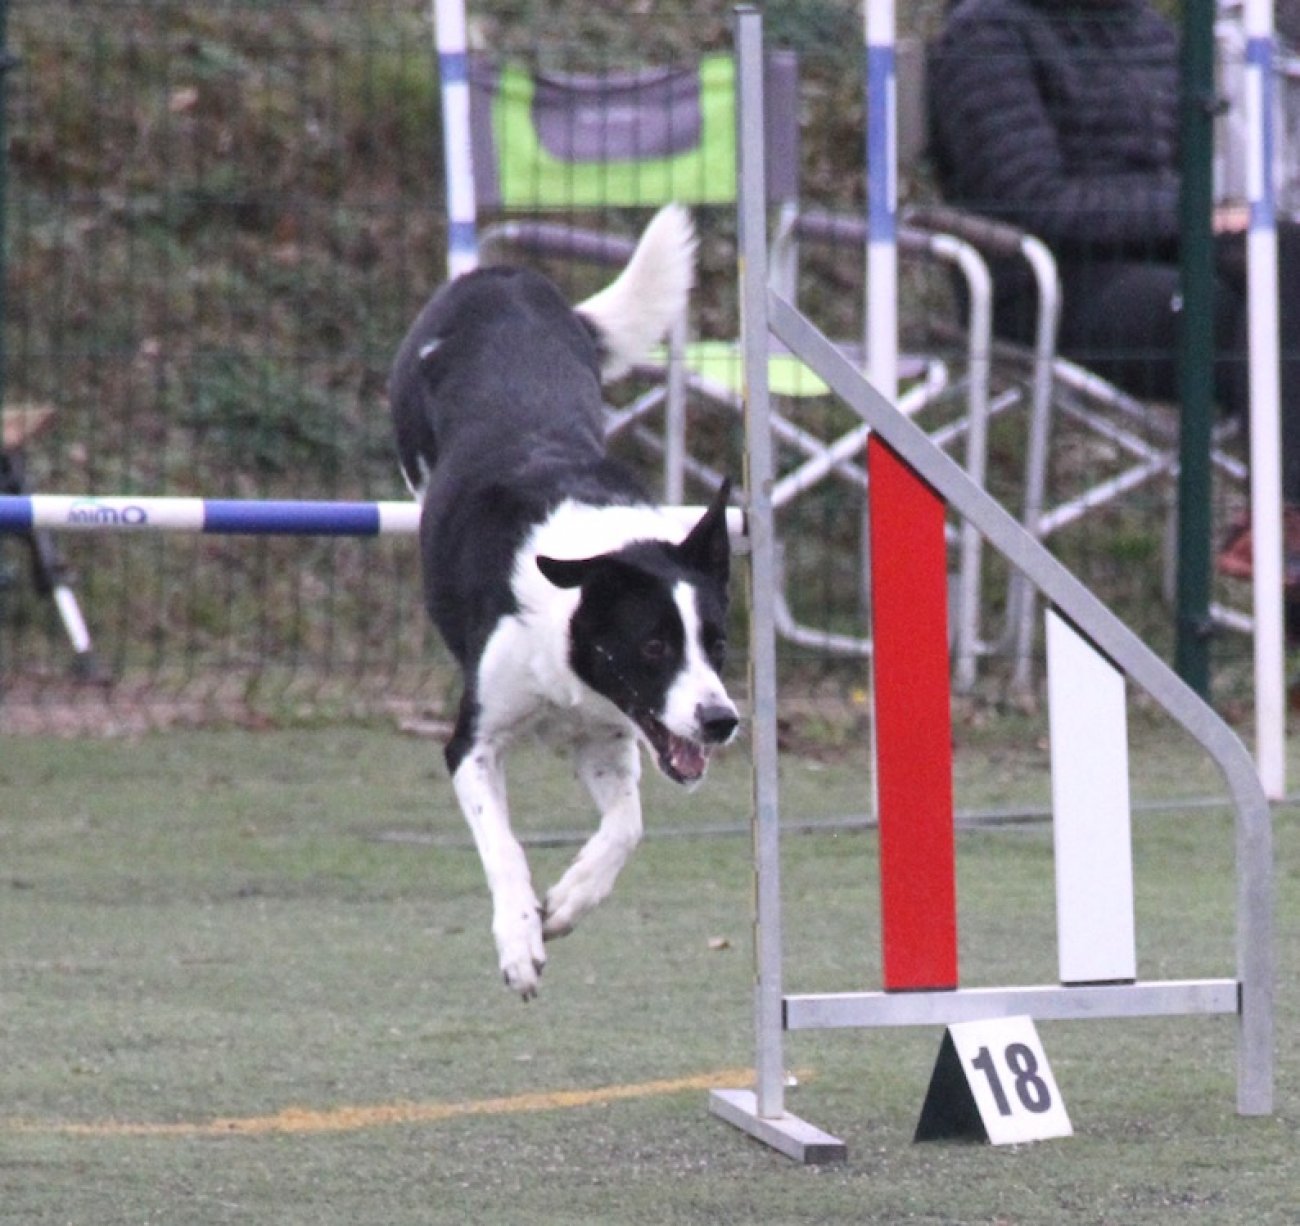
{"x": 247, "y": 977}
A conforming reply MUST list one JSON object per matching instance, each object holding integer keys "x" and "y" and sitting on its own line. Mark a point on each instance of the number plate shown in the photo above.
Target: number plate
{"x": 992, "y": 1082}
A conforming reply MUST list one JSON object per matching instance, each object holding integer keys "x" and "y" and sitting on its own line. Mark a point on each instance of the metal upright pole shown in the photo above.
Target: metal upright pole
{"x": 762, "y": 1113}
{"x": 770, "y": 1068}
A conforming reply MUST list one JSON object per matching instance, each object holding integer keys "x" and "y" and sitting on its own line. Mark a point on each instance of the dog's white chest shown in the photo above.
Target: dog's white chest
{"x": 525, "y": 683}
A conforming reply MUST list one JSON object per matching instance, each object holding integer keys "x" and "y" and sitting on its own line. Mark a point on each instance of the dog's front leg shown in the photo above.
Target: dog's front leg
{"x": 516, "y": 918}
{"x": 610, "y": 769}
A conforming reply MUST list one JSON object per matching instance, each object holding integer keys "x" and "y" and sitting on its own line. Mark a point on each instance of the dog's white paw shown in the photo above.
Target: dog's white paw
{"x": 521, "y": 953}
{"x": 569, "y": 899}
{"x": 587, "y": 882}
{"x": 559, "y": 916}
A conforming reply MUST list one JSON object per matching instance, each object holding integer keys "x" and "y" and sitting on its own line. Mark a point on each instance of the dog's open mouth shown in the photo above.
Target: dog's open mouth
{"x": 680, "y": 758}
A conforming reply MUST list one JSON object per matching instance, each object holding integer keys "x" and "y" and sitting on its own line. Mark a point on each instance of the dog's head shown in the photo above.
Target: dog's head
{"x": 649, "y": 634}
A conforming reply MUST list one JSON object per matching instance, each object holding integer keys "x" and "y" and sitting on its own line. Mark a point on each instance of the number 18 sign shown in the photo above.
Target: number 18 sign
{"x": 992, "y": 1082}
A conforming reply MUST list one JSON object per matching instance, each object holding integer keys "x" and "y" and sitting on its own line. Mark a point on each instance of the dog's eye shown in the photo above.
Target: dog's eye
{"x": 654, "y": 649}
{"x": 717, "y": 652}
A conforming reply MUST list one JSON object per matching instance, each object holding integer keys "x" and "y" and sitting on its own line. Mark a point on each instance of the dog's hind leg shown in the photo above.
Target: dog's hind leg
{"x": 610, "y": 769}
{"x": 480, "y": 786}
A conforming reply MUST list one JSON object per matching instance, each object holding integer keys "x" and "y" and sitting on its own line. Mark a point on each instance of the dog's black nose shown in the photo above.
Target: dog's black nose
{"x": 717, "y": 724}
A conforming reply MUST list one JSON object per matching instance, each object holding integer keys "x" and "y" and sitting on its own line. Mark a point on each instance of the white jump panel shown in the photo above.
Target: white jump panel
{"x": 1091, "y": 810}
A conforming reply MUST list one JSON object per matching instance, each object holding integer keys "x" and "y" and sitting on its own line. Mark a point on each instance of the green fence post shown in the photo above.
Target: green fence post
{"x": 6, "y": 62}
{"x": 1196, "y": 346}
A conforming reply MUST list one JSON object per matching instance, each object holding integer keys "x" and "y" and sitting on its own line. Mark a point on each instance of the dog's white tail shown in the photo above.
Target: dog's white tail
{"x": 636, "y": 310}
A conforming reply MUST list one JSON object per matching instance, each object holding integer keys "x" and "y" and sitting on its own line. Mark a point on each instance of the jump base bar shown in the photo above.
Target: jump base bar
{"x": 796, "y": 1138}
{"x": 1048, "y": 1002}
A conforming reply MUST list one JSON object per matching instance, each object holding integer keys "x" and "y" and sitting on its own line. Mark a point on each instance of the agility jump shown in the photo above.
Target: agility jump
{"x": 1090, "y": 653}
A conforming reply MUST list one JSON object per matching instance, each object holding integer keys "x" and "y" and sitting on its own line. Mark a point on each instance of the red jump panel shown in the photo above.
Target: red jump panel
{"x": 913, "y": 726}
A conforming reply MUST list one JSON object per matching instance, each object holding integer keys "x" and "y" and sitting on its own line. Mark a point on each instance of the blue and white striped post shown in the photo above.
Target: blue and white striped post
{"x": 453, "y": 74}
{"x": 1265, "y": 401}
{"x": 881, "y": 324}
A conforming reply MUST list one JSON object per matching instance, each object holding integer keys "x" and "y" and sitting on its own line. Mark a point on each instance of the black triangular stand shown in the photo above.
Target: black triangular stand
{"x": 949, "y": 1111}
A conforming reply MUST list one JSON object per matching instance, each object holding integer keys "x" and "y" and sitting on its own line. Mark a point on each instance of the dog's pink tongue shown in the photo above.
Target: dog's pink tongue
{"x": 687, "y": 759}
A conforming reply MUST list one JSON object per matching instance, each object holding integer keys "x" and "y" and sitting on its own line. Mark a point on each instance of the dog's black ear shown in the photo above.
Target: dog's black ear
{"x": 708, "y": 547}
{"x": 582, "y": 572}
{"x": 568, "y": 572}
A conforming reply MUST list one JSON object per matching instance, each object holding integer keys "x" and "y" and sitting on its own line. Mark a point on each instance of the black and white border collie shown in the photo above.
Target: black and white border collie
{"x": 570, "y": 601}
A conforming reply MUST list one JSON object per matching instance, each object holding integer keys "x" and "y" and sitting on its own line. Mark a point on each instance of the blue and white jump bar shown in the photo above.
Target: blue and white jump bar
{"x": 229, "y": 517}
{"x": 243, "y": 517}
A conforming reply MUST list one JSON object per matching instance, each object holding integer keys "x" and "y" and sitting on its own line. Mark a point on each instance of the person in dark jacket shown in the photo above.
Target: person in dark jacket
{"x": 1061, "y": 117}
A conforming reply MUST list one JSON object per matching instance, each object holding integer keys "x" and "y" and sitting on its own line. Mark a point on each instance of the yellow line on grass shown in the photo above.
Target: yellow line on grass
{"x": 349, "y": 1119}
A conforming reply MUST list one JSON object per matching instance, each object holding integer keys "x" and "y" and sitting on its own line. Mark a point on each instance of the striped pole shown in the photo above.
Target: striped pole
{"x": 880, "y": 300}
{"x": 231, "y": 517}
{"x": 1265, "y": 400}
{"x": 247, "y": 517}
{"x": 453, "y": 75}
{"x": 881, "y": 335}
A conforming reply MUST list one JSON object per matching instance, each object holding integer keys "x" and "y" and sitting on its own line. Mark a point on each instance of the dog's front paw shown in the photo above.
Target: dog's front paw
{"x": 559, "y": 914}
{"x": 522, "y": 955}
{"x": 567, "y": 901}
{"x": 585, "y": 884}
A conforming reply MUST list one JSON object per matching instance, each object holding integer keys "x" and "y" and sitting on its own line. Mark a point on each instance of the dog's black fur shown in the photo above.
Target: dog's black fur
{"x": 508, "y": 427}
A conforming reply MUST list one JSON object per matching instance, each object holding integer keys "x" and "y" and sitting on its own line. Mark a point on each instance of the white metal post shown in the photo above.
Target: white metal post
{"x": 1265, "y": 402}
